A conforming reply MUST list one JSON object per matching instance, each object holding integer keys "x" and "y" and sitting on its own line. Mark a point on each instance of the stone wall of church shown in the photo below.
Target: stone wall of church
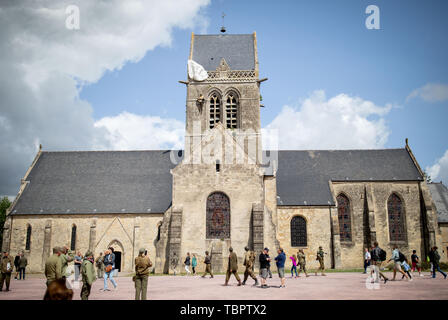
{"x": 378, "y": 194}
{"x": 442, "y": 241}
{"x": 125, "y": 232}
{"x": 318, "y": 233}
{"x": 192, "y": 184}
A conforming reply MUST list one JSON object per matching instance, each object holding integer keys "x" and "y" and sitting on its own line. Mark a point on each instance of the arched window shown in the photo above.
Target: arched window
{"x": 218, "y": 216}
{"x": 215, "y": 110}
{"x": 232, "y": 111}
{"x": 73, "y": 240}
{"x": 298, "y": 232}
{"x": 345, "y": 226}
{"x": 28, "y": 238}
{"x": 397, "y": 230}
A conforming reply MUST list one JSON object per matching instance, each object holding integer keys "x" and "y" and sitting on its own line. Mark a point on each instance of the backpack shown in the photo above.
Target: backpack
{"x": 401, "y": 257}
{"x": 382, "y": 255}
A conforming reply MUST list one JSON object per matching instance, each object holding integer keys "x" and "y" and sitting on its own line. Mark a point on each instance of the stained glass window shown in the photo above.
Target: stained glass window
{"x": 345, "y": 226}
{"x": 73, "y": 241}
{"x": 396, "y": 219}
{"x": 218, "y": 216}
{"x": 28, "y": 238}
{"x": 231, "y": 111}
{"x": 215, "y": 110}
{"x": 298, "y": 232}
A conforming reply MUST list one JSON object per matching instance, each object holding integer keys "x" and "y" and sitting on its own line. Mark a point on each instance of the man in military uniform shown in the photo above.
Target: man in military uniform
{"x": 232, "y": 267}
{"x": 87, "y": 274}
{"x": 249, "y": 260}
{"x": 301, "y": 262}
{"x": 320, "y": 257}
{"x": 100, "y": 266}
{"x": 7, "y": 266}
{"x": 66, "y": 257}
{"x": 208, "y": 265}
{"x": 142, "y": 265}
{"x": 53, "y": 266}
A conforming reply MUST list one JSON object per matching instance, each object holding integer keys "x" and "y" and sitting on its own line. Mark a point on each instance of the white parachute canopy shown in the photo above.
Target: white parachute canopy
{"x": 196, "y": 71}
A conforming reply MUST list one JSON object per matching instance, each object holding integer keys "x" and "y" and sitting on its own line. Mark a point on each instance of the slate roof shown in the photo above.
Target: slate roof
{"x": 305, "y": 175}
{"x": 136, "y": 181}
{"x": 439, "y": 194}
{"x": 237, "y": 49}
{"x": 107, "y": 181}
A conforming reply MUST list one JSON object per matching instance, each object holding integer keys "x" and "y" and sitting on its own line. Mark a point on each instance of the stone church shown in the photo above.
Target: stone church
{"x": 224, "y": 189}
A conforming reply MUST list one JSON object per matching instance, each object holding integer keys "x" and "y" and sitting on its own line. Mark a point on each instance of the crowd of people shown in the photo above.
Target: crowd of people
{"x": 84, "y": 267}
{"x": 375, "y": 257}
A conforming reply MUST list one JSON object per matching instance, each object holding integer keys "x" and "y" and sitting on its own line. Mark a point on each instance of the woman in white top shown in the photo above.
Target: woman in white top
{"x": 367, "y": 259}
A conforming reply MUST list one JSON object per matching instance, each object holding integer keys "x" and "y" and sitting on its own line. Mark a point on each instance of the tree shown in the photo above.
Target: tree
{"x": 4, "y": 205}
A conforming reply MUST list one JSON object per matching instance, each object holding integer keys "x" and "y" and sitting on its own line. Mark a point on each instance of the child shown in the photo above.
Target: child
{"x": 406, "y": 269}
{"x": 294, "y": 265}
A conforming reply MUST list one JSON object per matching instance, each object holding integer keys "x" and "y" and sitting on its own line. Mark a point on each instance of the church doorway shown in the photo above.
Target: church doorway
{"x": 117, "y": 260}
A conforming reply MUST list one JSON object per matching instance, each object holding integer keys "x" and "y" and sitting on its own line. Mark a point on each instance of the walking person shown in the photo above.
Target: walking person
{"x": 301, "y": 261}
{"x": 142, "y": 265}
{"x": 320, "y": 257}
{"x": 208, "y": 265}
{"x": 406, "y": 269}
{"x": 269, "y": 265}
{"x": 431, "y": 260}
{"x": 23, "y": 262}
{"x": 87, "y": 274}
{"x": 280, "y": 262}
{"x": 16, "y": 265}
{"x": 53, "y": 266}
{"x": 367, "y": 258}
{"x": 435, "y": 262}
{"x": 264, "y": 264}
{"x": 232, "y": 267}
{"x": 294, "y": 265}
{"x": 109, "y": 262}
{"x": 194, "y": 263}
{"x": 78, "y": 262}
{"x": 415, "y": 261}
{"x": 7, "y": 267}
{"x": 249, "y": 261}
{"x": 378, "y": 256}
{"x": 187, "y": 263}
{"x": 100, "y": 265}
{"x": 397, "y": 263}
{"x": 174, "y": 262}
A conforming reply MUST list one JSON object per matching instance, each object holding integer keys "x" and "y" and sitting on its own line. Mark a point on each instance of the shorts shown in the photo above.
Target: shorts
{"x": 281, "y": 272}
{"x": 397, "y": 266}
{"x": 264, "y": 273}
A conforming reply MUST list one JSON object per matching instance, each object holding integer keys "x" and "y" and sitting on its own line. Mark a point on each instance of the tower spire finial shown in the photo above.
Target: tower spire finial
{"x": 223, "y": 28}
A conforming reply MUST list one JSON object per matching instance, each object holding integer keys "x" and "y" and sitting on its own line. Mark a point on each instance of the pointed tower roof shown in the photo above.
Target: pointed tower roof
{"x": 238, "y": 50}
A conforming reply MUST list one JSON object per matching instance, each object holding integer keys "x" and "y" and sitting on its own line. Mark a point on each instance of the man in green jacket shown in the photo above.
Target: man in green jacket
{"x": 320, "y": 256}
{"x": 232, "y": 267}
{"x": 53, "y": 266}
{"x": 249, "y": 261}
{"x": 7, "y": 266}
{"x": 142, "y": 265}
{"x": 66, "y": 257}
{"x": 88, "y": 275}
{"x": 23, "y": 262}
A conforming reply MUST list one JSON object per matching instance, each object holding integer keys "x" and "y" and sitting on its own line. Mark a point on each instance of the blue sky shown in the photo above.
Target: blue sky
{"x": 305, "y": 46}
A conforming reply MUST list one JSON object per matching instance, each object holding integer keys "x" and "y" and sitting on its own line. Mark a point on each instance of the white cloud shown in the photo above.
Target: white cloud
{"x": 129, "y": 131}
{"x": 439, "y": 171}
{"x": 342, "y": 122}
{"x": 431, "y": 92}
{"x": 44, "y": 66}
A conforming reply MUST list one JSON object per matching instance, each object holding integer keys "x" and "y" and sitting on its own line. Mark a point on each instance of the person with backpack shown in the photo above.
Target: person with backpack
{"x": 435, "y": 263}
{"x": 406, "y": 269}
{"x": 397, "y": 258}
{"x": 187, "y": 263}
{"x": 378, "y": 256}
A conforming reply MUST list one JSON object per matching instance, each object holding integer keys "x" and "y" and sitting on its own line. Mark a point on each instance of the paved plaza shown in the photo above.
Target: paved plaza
{"x": 346, "y": 286}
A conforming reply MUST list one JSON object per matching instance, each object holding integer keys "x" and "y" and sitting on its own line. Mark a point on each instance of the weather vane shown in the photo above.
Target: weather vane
{"x": 223, "y": 29}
